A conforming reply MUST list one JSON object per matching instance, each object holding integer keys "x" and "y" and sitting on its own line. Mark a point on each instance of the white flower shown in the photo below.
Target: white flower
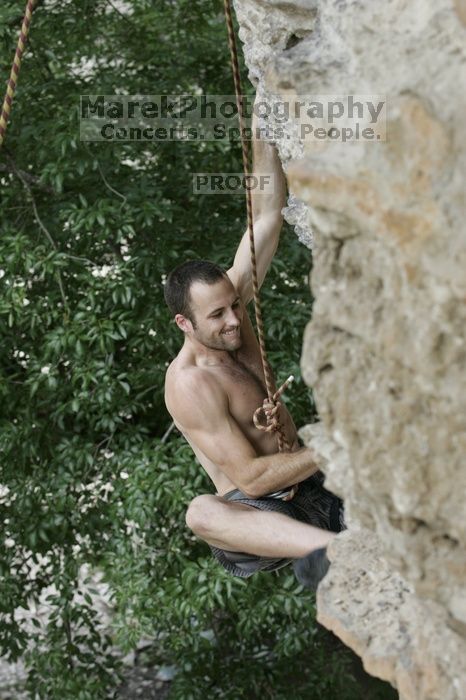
{"x": 2, "y": 274}
{"x": 9, "y": 542}
{"x": 152, "y": 332}
{"x": 102, "y": 271}
{"x": 124, "y": 475}
{"x": 45, "y": 369}
{"x": 26, "y": 301}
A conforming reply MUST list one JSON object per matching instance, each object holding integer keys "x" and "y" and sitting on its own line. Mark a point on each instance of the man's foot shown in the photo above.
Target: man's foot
{"x": 311, "y": 569}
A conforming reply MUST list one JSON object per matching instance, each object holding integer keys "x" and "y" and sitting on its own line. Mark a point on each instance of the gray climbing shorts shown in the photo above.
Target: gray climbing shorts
{"x": 312, "y": 504}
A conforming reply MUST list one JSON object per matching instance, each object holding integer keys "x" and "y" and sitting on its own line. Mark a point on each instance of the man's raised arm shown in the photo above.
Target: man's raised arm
{"x": 267, "y": 219}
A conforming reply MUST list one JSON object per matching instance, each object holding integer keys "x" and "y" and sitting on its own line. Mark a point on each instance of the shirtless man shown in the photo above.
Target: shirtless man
{"x": 212, "y": 389}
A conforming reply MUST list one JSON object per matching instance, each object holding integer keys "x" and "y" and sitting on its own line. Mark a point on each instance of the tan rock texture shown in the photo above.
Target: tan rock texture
{"x": 385, "y": 351}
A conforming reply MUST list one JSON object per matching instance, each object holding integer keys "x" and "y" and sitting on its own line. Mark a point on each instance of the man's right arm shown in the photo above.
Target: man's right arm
{"x": 202, "y": 412}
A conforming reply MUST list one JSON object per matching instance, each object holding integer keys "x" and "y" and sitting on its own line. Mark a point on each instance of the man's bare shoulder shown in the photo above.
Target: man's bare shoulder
{"x": 191, "y": 390}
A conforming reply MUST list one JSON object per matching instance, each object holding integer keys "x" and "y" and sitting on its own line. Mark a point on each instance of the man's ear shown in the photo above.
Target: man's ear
{"x": 183, "y": 323}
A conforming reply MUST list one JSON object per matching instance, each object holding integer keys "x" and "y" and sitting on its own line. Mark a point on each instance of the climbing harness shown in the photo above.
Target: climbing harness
{"x": 271, "y": 411}
{"x": 11, "y": 87}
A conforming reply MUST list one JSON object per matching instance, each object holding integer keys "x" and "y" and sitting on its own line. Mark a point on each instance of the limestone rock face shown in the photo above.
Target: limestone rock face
{"x": 386, "y": 348}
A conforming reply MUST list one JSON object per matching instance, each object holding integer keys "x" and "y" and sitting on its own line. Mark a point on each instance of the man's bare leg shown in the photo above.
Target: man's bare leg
{"x": 237, "y": 527}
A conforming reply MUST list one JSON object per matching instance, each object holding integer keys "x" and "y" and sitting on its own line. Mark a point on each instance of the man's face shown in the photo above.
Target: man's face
{"x": 217, "y": 314}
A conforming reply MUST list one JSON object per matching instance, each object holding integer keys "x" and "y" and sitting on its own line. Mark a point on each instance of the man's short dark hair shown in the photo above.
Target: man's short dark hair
{"x": 179, "y": 281}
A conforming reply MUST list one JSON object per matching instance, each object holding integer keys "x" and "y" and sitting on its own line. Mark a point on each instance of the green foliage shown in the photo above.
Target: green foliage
{"x": 88, "y": 232}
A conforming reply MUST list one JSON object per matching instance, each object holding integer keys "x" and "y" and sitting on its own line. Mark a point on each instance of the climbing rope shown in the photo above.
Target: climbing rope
{"x": 271, "y": 411}
{"x": 11, "y": 87}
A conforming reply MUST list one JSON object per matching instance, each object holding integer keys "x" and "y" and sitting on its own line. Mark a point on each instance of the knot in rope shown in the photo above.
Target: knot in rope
{"x": 267, "y": 416}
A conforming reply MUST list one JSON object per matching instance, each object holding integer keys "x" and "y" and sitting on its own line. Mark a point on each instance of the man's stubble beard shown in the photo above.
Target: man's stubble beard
{"x": 219, "y": 344}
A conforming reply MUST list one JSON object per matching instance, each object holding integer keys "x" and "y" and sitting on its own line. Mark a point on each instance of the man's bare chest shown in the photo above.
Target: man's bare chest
{"x": 248, "y": 373}
{"x": 245, "y": 388}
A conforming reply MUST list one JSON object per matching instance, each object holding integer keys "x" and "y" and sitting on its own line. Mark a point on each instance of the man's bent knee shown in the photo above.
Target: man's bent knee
{"x": 201, "y": 514}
